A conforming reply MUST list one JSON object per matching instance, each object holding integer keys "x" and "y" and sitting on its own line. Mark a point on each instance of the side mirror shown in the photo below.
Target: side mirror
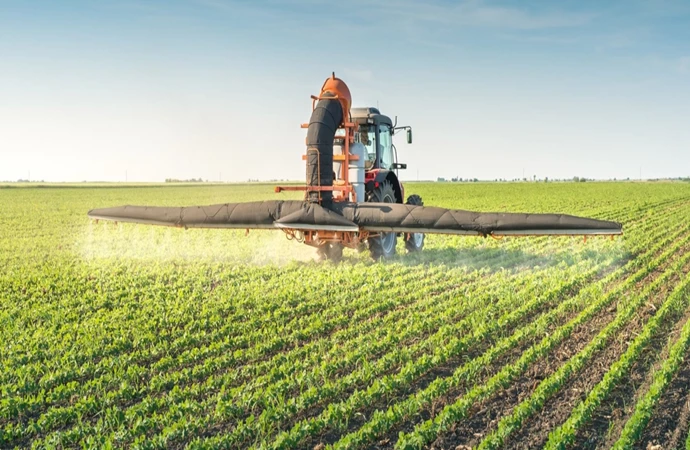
{"x": 399, "y": 166}
{"x": 409, "y": 135}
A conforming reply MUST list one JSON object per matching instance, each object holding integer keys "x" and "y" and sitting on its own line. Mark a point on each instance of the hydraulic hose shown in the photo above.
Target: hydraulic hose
{"x": 324, "y": 122}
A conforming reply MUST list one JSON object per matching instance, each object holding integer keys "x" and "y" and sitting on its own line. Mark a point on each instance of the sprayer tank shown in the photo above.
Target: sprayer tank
{"x": 357, "y": 169}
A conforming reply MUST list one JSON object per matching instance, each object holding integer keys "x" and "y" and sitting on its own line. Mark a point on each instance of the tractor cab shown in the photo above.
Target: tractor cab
{"x": 376, "y": 134}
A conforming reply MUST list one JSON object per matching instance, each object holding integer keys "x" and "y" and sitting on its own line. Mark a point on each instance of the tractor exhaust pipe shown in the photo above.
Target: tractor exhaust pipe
{"x": 330, "y": 112}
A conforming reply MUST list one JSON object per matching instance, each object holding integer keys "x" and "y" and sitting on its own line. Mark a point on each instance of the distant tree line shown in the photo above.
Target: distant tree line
{"x": 534, "y": 179}
{"x": 191, "y": 180}
{"x": 457, "y": 180}
{"x": 21, "y": 180}
{"x": 200, "y": 180}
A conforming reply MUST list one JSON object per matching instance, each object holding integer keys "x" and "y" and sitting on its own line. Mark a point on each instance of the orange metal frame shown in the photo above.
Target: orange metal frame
{"x": 317, "y": 238}
{"x": 342, "y": 188}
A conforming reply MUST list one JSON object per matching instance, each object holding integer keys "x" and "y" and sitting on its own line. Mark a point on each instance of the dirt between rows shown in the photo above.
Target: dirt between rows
{"x": 314, "y": 410}
{"x": 484, "y": 417}
{"x": 332, "y": 435}
{"x": 442, "y": 371}
{"x": 609, "y": 418}
{"x": 446, "y": 370}
{"x": 268, "y": 355}
{"x": 670, "y": 422}
{"x": 557, "y": 409}
{"x": 480, "y": 412}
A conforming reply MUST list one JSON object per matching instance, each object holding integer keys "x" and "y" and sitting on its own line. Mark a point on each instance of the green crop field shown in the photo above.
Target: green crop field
{"x": 135, "y": 336}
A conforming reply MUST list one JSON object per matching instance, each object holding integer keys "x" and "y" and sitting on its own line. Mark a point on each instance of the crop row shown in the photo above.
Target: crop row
{"x": 155, "y": 354}
{"x": 245, "y": 324}
{"x": 223, "y": 380}
{"x": 428, "y": 430}
{"x": 552, "y": 384}
{"x": 662, "y": 377}
{"x": 382, "y": 421}
{"x": 565, "y": 433}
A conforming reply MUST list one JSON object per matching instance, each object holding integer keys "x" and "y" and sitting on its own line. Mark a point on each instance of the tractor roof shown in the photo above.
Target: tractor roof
{"x": 361, "y": 115}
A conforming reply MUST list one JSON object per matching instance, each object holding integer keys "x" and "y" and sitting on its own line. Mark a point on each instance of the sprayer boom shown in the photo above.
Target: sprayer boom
{"x": 353, "y": 196}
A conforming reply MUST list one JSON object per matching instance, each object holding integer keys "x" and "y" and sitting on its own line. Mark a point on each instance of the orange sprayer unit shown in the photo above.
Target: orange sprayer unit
{"x": 353, "y": 197}
{"x": 329, "y": 124}
{"x": 330, "y": 121}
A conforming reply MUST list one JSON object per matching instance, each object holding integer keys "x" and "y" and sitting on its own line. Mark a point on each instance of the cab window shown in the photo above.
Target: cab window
{"x": 367, "y": 136}
{"x": 386, "y": 144}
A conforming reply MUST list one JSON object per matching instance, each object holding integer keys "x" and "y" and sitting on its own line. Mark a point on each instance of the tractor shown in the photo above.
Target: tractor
{"x": 365, "y": 168}
{"x": 382, "y": 184}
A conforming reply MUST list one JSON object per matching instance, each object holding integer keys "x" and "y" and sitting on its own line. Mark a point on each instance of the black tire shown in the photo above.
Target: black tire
{"x": 383, "y": 245}
{"x": 332, "y": 251}
{"x": 414, "y": 242}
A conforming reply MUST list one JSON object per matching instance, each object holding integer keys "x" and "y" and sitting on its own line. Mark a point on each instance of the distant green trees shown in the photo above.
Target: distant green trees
{"x": 191, "y": 180}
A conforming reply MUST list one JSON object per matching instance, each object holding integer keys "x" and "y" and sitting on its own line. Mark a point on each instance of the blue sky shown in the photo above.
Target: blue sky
{"x": 91, "y": 90}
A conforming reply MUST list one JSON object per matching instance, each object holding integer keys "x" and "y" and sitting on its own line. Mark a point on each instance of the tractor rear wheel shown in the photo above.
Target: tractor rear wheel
{"x": 414, "y": 242}
{"x": 383, "y": 245}
{"x": 332, "y": 251}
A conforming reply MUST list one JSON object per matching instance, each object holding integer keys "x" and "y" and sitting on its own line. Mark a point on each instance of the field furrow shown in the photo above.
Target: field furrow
{"x": 554, "y": 410}
{"x": 388, "y": 420}
{"x": 132, "y": 336}
{"x": 662, "y": 411}
{"x": 428, "y": 430}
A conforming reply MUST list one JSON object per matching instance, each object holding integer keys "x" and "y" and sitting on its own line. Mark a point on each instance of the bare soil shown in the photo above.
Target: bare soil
{"x": 609, "y": 419}
{"x": 485, "y": 416}
{"x": 670, "y": 421}
{"x": 534, "y": 433}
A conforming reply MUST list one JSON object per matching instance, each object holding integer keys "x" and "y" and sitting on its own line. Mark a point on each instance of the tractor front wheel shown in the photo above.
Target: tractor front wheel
{"x": 414, "y": 242}
{"x": 383, "y": 245}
